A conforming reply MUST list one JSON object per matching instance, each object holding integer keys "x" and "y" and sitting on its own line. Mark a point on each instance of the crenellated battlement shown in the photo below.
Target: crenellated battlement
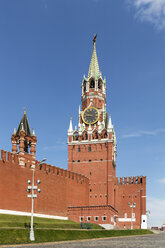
{"x": 49, "y": 169}
{"x": 10, "y": 158}
{"x": 130, "y": 180}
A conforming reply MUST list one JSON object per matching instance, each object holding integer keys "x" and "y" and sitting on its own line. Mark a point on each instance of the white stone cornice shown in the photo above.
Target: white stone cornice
{"x": 106, "y": 140}
{"x": 93, "y": 96}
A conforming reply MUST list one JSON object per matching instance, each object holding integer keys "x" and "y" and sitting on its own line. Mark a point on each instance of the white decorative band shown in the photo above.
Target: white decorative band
{"x": 126, "y": 219}
{"x": 4, "y": 211}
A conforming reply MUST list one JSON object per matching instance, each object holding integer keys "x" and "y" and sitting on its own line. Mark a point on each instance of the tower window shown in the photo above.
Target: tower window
{"x": 90, "y": 160}
{"x": 78, "y": 161}
{"x": 78, "y": 149}
{"x": 92, "y": 84}
{"x": 85, "y": 136}
{"x": 75, "y": 136}
{"x": 99, "y": 84}
{"x": 89, "y": 148}
{"x": 95, "y": 135}
{"x": 26, "y": 146}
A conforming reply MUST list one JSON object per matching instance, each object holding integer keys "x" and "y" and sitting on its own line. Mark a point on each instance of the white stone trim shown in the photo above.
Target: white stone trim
{"x": 88, "y": 217}
{"x": 93, "y": 96}
{"x": 143, "y": 221}
{"x": 92, "y": 162}
{"x": 95, "y": 218}
{"x": 81, "y": 218}
{"x": 126, "y": 219}
{"x": 20, "y": 213}
{"x": 104, "y": 217}
{"x": 91, "y": 142}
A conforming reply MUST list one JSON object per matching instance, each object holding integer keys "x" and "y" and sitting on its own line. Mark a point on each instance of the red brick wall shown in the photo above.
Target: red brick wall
{"x": 92, "y": 211}
{"x": 125, "y": 189}
{"x": 97, "y": 166}
{"x": 59, "y": 188}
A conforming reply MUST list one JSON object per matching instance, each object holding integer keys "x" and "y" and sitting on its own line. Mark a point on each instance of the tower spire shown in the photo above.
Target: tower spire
{"x": 24, "y": 125}
{"x": 94, "y": 65}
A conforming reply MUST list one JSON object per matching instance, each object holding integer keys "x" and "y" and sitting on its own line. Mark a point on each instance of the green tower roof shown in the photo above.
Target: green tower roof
{"x": 94, "y": 65}
{"x": 24, "y": 124}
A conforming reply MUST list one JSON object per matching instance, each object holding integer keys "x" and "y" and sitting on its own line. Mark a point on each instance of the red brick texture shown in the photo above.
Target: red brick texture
{"x": 98, "y": 166}
{"x": 128, "y": 190}
{"x": 59, "y": 188}
{"x": 93, "y": 214}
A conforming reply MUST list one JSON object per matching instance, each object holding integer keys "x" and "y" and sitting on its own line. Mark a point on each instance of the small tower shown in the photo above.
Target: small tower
{"x": 26, "y": 140}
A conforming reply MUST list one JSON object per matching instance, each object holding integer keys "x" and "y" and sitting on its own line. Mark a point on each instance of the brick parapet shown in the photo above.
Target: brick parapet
{"x": 130, "y": 180}
{"x": 59, "y": 187}
{"x": 9, "y": 157}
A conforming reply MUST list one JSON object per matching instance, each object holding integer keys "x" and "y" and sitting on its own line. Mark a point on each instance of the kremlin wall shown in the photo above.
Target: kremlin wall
{"x": 89, "y": 190}
{"x": 60, "y": 188}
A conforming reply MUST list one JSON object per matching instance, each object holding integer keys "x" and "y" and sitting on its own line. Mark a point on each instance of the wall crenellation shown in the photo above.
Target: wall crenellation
{"x": 9, "y": 157}
{"x": 130, "y": 180}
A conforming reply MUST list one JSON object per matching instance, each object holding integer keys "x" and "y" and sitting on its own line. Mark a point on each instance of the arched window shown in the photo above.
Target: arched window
{"x": 92, "y": 84}
{"x": 85, "y": 136}
{"x": 104, "y": 134}
{"x": 26, "y": 146}
{"x": 84, "y": 87}
{"x": 99, "y": 84}
{"x": 95, "y": 135}
{"x": 75, "y": 136}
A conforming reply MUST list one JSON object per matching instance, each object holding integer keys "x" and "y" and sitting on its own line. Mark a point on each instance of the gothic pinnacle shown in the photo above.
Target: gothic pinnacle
{"x": 33, "y": 132}
{"x": 70, "y": 130}
{"x": 110, "y": 126}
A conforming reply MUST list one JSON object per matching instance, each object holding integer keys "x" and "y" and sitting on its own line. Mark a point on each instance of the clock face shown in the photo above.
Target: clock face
{"x": 90, "y": 115}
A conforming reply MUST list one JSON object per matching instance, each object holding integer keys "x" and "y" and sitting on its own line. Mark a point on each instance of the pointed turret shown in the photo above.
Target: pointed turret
{"x": 25, "y": 139}
{"x": 94, "y": 71}
{"x": 70, "y": 130}
{"x": 24, "y": 125}
{"x": 110, "y": 126}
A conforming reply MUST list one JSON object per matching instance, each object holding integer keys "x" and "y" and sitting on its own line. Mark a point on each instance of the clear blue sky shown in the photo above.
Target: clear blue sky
{"x": 45, "y": 49}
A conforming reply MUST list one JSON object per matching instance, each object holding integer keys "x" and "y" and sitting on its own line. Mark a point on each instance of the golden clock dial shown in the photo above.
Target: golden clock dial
{"x": 90, "y": 115}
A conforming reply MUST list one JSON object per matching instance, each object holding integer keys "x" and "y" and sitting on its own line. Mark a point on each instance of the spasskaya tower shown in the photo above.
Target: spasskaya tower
{"x": 92, "y": 146}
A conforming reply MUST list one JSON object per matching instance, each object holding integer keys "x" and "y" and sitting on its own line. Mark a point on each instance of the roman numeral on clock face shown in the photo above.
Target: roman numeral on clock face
{"x": 90, "y": 115}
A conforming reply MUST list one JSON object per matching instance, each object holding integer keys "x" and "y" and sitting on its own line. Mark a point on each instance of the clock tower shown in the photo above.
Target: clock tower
{"x": 92, "y": 146}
